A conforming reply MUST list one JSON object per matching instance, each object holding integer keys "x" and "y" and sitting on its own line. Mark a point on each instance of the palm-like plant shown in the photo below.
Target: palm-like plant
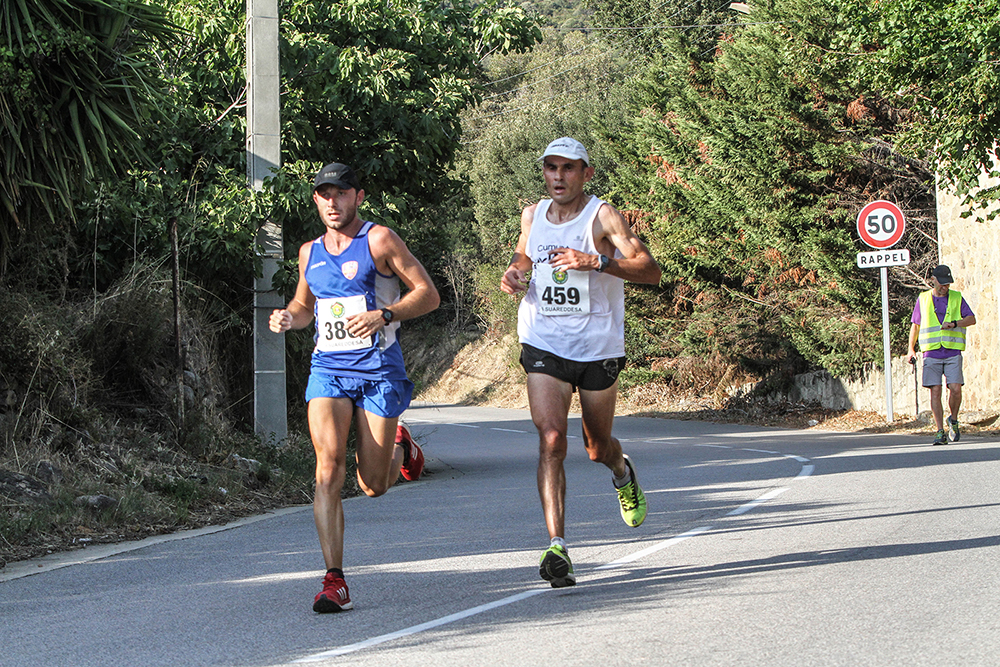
{"x": 75, "y": 84}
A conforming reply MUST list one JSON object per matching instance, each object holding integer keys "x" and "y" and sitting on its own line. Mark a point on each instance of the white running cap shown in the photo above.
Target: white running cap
{"x": 567, "y": 147}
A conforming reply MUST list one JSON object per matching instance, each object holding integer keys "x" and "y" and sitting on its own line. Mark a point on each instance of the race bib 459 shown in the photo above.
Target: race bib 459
{"x": 561, "y": 292}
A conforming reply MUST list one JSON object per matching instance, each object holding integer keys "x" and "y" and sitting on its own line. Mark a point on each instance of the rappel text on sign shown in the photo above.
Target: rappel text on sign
{"x": 879, "y": 258}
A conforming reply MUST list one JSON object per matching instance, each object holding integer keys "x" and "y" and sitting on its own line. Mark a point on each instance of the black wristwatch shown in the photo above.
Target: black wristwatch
{"x": 386, "y": 316}
{"x": 604, "y": 260}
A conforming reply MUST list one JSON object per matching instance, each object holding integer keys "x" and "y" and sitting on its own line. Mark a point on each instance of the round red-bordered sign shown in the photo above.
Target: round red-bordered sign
{"x": 881, "y": 224}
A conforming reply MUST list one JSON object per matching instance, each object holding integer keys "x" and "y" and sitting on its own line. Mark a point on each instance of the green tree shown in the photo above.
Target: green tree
{"x": 573, "y": 84}
{"x": 75, "y": 84}
{"x": 749, "y": 157}
{"x": 378, "y": 86}
{"x": 939, "y": 59}
{"x": 570, "y": 85}
{"x": 382, "y": 87}
{"x": 374, "y": 85}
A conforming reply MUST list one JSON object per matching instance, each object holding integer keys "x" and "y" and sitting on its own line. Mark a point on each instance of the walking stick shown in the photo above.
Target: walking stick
{"x": 916, "y": 388}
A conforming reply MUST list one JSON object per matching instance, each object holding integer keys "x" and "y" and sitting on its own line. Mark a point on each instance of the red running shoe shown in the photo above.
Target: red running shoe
{"x": 334, "y": 596}
{"x": 411, "y": 469}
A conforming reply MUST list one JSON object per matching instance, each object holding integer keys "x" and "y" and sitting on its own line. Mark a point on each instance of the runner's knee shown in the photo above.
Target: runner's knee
{"x": 372, "y": 490}
{"x": 552, "y": 442}
{"x": 329, "y": 474}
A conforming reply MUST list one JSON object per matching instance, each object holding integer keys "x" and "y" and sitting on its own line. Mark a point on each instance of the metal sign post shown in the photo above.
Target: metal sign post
{"x": 886, "y": 355}
{"x": 881, "y": 225}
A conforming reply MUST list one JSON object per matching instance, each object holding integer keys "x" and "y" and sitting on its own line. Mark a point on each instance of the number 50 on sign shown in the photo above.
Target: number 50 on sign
{"x": 881, "y": 224}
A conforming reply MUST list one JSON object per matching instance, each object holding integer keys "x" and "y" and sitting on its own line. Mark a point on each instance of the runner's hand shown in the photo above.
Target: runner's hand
{"x": 565, "y": 259}
{"x": 514, "y": 280}
{"x": 365, "y": 324}
{"x": 280, "y": 321}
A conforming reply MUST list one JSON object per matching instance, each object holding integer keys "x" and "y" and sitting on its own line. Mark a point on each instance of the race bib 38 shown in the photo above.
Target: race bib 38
{"x": 331, "y": 323}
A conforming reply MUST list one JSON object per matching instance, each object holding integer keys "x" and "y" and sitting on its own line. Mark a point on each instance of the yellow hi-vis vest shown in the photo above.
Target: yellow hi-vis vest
{"x": 931, "y": 335}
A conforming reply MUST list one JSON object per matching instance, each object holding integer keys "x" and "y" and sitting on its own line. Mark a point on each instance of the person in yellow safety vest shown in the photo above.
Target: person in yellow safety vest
{"x": 940, "y": 318}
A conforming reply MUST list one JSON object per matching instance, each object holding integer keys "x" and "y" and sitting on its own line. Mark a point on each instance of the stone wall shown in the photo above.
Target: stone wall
{"x": 971, "y": 247}
{"x": 866, "y": 393}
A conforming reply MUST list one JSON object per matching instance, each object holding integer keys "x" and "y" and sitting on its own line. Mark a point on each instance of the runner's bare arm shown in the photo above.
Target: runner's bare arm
{"x": 611, "y": 231}
{"x": 392, "y": 256}
{"x": 298, "y": 314}
{"x": 514, "y": 280}
{"x": 422, "y": 297}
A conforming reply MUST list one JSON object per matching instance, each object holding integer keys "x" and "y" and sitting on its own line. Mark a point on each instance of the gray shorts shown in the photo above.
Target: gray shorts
{"x": 950, "y": 368}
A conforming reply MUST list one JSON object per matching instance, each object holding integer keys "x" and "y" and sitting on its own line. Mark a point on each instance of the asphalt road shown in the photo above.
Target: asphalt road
{"x": 762, "y": 547}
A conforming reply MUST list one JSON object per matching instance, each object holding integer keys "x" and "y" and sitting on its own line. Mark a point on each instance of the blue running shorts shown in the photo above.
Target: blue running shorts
{"x": 385, "y": 398}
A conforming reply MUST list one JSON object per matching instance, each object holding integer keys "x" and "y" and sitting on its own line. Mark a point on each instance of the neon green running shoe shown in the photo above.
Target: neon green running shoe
{"x": 556, "y": 567}
{"x": 632, "y": 499}
{"x": 954, "y": 434}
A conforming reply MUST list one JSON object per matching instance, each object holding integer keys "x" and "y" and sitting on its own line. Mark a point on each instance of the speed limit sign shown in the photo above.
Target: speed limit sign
{"x": 881, "y": 224}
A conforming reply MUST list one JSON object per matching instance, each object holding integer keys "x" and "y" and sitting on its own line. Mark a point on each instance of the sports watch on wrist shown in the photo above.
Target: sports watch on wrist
{"x": 604, "y": 261}
{"x": 386, "y": 316}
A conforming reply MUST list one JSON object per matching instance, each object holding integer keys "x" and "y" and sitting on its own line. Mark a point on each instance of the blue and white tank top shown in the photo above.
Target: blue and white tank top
{"x": 577, "y": 315}
{"x": 345, "y": 284}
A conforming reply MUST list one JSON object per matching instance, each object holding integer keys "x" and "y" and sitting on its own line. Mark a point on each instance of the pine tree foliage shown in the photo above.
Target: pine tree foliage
{"x": 749, "y": 160}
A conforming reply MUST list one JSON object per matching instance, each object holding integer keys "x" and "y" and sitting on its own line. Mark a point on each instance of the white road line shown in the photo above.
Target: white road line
{"x": 429, "y": 625}
{"x": 503, "y": 602}
{"x": 659, "y": 546}
{"x": 642, "y": 553}
{"x": 508, "y": 430}
{"x": 743, "y": 509}
{"x": 657, "y": 441}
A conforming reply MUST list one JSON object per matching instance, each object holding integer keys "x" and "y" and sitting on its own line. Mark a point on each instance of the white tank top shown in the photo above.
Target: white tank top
{"x": 576, "y": 315}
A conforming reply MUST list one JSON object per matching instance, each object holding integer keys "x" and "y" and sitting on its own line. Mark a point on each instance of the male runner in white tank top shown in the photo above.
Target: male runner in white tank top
{"x": 580, "y": 250}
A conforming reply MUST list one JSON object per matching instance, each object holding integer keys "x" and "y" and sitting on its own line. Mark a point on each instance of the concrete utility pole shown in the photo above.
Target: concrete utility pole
{"x": 263, "y": 158}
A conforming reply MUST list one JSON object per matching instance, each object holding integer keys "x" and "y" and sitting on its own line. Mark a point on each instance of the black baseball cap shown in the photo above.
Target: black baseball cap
{"x": 943, "y": 274}
{"x": 339, "y": 175}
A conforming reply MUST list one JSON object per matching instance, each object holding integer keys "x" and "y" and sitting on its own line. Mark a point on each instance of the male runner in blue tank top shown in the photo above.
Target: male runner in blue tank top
{"x": 580, "y": 250}
{"x": 349, "y": 284}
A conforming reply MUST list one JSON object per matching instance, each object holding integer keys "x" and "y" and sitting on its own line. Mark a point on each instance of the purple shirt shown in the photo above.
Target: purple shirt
{"x": 940, "y": 308}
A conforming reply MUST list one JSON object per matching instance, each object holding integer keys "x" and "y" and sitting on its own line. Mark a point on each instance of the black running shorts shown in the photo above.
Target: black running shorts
{"x": 589, "y": 375}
